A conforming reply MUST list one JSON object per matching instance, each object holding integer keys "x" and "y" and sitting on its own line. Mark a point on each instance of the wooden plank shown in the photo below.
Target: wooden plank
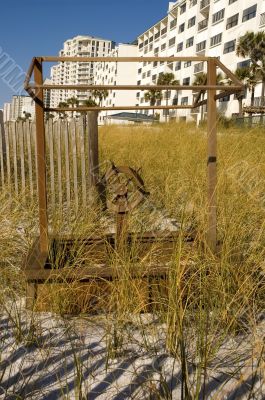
{"x": 212, "y": 158}
{"x": 22, "y": 154}
{"x": 93, "y": 161}
{"x": 29, "y": 154}
{"x": 2, "y": 135}
{"x": 52, "y": 166}
{"x": 34, "y": 141}
{"x": 74, "y": 160}
{"x": 8, "y": 154}
{"x": 41, "y": 158}
{"x": 67, "y": 164}
{"x": 14, "y": 148}
{"x": 97, "y": 108}
{"x": 59, "y": 163}
{"x": 83, "y": 159}
{"x": 134, "y": 87}
{"x": 123, "y": 59}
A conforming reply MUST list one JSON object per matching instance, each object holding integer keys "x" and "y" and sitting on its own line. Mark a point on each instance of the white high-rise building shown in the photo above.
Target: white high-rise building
{"x": 19, "y": 107}
{"x": 73, "y": 73}
{"x": 202, "y": 28}
{"x": 117, "y": 74}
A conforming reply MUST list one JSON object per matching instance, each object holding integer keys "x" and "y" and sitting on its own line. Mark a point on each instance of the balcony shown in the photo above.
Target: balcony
{"x": 203, "y": 24}
{"x": 204, "y": 6}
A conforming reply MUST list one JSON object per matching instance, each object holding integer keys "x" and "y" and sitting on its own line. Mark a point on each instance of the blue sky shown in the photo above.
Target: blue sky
{"x": 39, "y": 27}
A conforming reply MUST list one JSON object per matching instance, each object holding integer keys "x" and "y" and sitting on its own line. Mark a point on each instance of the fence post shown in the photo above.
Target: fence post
{"x": 93, "y": 160}
{"x": 212, "y": 157}
{"x": 41, "y": 157}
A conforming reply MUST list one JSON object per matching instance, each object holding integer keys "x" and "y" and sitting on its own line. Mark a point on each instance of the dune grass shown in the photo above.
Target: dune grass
{"x": 207, "y": 300}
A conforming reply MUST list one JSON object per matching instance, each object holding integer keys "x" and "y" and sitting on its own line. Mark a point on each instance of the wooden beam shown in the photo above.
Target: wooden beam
{"x": 122, "y": 59}
{"x": 212, "y": 158}
{"x": 133, "y": 87}
{"x": 41, "y": 158}
{"x": 97, "y": 108}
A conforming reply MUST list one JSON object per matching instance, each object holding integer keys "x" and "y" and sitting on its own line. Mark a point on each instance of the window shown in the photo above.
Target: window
{"x": 157, "y": 35}
{"x": 191, "y": 22}
{"x": 144, "y": 75}
{"x": 181, "y": 28}
{"x": 146, "y": 42}
{"x": 232, "y": 21}
{"x": 151, "y": 39}
{"x": 155, "y": 64}
{"x": 173, "y": 23}
{"x": 184, "y": 101}
{"x": 150, "y": 47}
{"x": 180, "y": 47}
{"x": 178, "y": 65}
{"x": 218, "y": 16}
{"x": 183, "y": 8}
{"x": 164, "y": 30}
{"x": 141, "y": 45}
{"x": 232, "y": 1}
{"x": 216, "y": 39}
{"x": 262, "y": 19}
{"x": 201, "y": 46}
{"x": 172, "y": 41}
{"x": 187, "y": 64}
{"x": 163, "y": 47}
{"x": 244, "y": 64}
{"x": 198, "y": 67}
{"x": 154, "y": 78}
{"x": 203, "y": 24}
{"x": 249, "y": 13}
{"x": 190, "y": 42}
{"x": 156, "y": 50}
{"x": 138, "y": 82}
{"x": 224, "y": 99}
{"x": 186, "y": 81}
{"x": 193, "y": 3}
{"x": 139, "y": 70}
{"x": 229, "y": 46}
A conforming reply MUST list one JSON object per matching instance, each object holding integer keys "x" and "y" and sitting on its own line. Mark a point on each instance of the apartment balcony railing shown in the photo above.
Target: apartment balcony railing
{"x": 204, "y": 4}
{"x": 203, "y": 24}
{"x": 262, "y": 19}
{"x": 198, "y": 67}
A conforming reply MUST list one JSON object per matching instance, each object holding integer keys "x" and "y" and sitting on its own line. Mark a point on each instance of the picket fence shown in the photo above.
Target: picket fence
{"x": 67, "y": 161}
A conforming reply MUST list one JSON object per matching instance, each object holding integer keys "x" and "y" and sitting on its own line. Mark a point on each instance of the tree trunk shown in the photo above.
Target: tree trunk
{"x": 263, "y": 92}
{"x": 240, "y": 104}
{"x": 252, "y": 96}
{"x": 202, "y": 109}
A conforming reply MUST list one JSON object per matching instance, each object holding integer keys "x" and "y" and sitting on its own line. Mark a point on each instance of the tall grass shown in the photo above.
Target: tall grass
{"x": 206, "y": 300}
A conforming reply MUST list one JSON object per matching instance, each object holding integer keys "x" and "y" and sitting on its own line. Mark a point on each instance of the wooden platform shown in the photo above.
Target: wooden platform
{"x": 96, "y": 258}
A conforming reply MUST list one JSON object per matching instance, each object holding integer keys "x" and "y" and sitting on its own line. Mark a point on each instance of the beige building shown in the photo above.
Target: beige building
{"x": 77, "y": 73}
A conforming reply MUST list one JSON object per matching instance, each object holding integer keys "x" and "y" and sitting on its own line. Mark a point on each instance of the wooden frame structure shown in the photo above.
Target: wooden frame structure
{"x": 36, "y": 91}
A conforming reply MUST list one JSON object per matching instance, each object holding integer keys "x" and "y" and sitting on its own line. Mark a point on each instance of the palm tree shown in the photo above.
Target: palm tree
{"x": 252, "y": 45}
{"x": 153, "y": 95}
{"x": 62, "y": 104}
{"x": 249, "y": 78}
{"x": 167, "y": 78}
{"x": 200, "y": 80}
{"x": 73, "y": 101}
{"x": 90, "y": 103}
{"x": 100, "y": 95}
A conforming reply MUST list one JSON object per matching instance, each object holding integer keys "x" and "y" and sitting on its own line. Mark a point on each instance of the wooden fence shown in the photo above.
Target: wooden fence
{"x": 67, "y": 161}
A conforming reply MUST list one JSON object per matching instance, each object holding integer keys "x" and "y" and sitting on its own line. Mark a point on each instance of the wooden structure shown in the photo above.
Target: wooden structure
{"x": 38, "y": 266}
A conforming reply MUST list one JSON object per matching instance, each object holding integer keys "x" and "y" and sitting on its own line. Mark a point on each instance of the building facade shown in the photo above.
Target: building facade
{"x": 77, "y": 73}
{"x": 202, "y": 28}
{"x": 117, "y": 74}
{"x": 19, "y": 107}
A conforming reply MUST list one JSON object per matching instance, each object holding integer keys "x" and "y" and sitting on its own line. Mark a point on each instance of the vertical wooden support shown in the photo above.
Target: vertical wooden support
{"x": 212, "y": 157}
{"x": 31, "y": 295}
{"x": 40, "y": 137}
{"x": 93, "y": 159}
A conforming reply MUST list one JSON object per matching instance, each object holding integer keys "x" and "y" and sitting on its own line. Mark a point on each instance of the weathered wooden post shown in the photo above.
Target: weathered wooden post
{"x": 41, "y": 156}
{"x": 93, "y": 159}
{"x": 212, "y": 156}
